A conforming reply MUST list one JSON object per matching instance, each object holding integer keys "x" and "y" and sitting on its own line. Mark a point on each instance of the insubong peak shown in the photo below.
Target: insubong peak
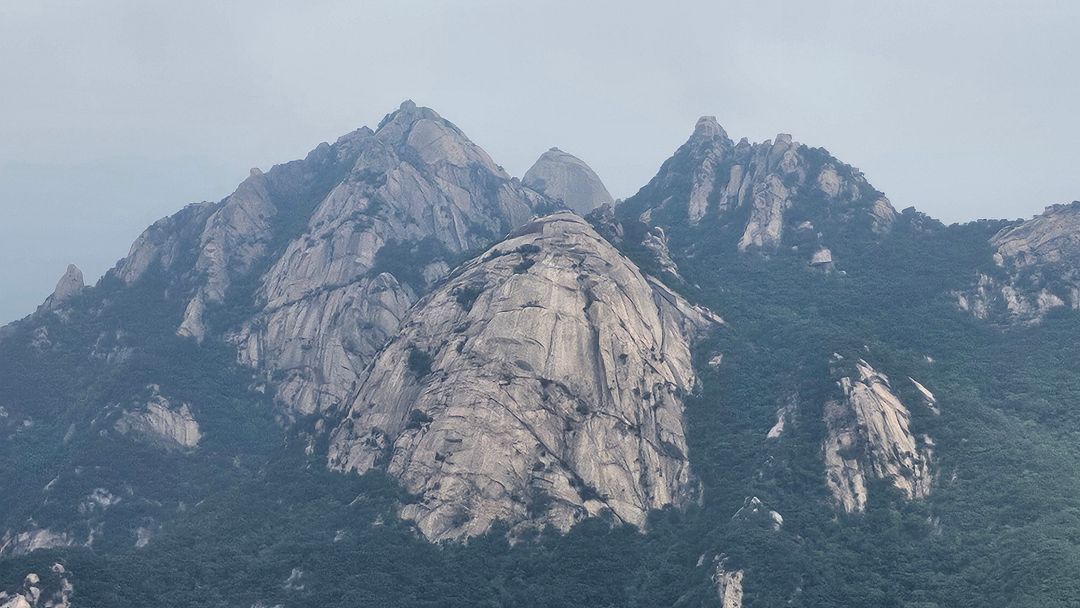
{"x": 564, "y": 177}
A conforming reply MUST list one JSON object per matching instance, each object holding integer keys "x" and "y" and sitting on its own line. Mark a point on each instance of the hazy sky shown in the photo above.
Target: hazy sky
{"x": 114, "y": 113}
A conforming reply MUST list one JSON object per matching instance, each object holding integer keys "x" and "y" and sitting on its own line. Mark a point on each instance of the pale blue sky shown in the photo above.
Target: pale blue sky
{"x": 118, "y": 112}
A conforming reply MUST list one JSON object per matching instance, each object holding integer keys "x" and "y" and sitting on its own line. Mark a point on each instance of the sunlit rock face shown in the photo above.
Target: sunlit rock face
{"x": 869, "y": 437}
{"x": 1038, "y": 270}
{"x": 566, "y": 178}
{"x": 542, "y": 383}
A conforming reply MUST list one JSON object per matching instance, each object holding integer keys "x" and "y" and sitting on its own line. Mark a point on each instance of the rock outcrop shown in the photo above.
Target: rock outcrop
{"x": 1039, "y": 269}
{"x": 69, "y": 285}
{"x": 162, "y": 422}
{"x": 329, "y": 252}
{"x": 762, "y": 192}
{"x": 728, "y": 582}
{"x": 541, "y": 384}
{"x": 754, "y": 512}
{"x": 33, "y": 539}
{"x": 419, "y": 196}
{"x": 656, "y": 242}
{"x": 52, "y": 590}
{"x": 566, "y": 178}
{"x": 869, "y": 437}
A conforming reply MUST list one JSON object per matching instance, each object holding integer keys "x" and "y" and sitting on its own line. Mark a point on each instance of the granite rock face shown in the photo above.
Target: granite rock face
{"x": 566, "y": 178}
{"x": 762, "y": 192}
{"x": 33, "y": 539}
{"x": 161, "y": 422}
{"x": 329, "y": 252}
{"x": 69, "y": 285}
{"x": 728, "y": 582}
{"x": 542, "y": 383}
{"x": 419, "y": 196}
{"x": 1038, "y": 269}
{"x": 870, "y": 437}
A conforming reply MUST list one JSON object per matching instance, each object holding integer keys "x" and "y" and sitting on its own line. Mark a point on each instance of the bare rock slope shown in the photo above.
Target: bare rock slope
{"x": 328, "y": 253}
{"x": 565, "y": 177}
{"x": 542, "y": 383}
{"x": 418, "y": 197}
{"x": 1038, "y": 269}
{"x": 870, "y": 437}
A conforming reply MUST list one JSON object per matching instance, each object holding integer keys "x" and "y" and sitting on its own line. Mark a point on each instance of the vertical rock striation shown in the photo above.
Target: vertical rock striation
{"x": 1038, "y": 269}
{"x": 869, "y": 436}
{"x": 418, "y": 198}
{"x": 541, "y": 384}
{"x": 762, "y": 192}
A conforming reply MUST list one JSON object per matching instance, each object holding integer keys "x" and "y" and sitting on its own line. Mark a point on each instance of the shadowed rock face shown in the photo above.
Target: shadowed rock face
{"x": 869, "y": 436}
{"x": 1039, "y": 262}
{"x": 541, "y": 384}
{"x": 338, "y": 246}
{"x": 566, "y": 178}
{"x": 419, "y": 196}
{"x": 760, "y": 189}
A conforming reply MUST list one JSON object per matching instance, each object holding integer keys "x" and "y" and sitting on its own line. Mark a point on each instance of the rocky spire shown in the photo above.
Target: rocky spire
{"x": 757, "y": 185}
{"x": 69, "y": 285}
{"x": 565, "y": 177}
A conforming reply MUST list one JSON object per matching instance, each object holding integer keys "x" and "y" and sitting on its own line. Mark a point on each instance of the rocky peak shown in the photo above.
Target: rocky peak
{"x": 757, "y": 191}
{"x": 564, "y": 177}
{"x": 542, "y": 383}
{"x": 70, "y": 284}
{"x": 1038, "y": 269}
{"x": 431, "y": 138}
{"x": 707, "y": 127}
{"x": 419, "y": 195}
{"x": 332, "y": 250}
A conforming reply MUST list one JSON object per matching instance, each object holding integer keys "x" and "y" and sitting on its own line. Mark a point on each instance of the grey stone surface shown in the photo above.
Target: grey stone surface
{"x": 542, "y": 384}
{"x": 869, "y": 437}
{"x": 564, "y": 177}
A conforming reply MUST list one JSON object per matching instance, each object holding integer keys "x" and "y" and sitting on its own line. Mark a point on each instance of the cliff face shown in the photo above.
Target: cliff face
{"x": 869, "y": 436}
{"x": 328, "y": 253}
{"x": 541, "y": 384}
{"x": 768, "y": 194}
{"x": 419, "y": 196}
{"x": 1038, "y": 269}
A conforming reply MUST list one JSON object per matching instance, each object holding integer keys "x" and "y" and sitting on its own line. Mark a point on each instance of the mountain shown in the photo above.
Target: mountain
{"x": 392, "y": 374}
{"x": 350, "y": 234}
{"x": 543, "y": 382}
{"x": 565, "y": 177}
{"x": 763, "y": 195}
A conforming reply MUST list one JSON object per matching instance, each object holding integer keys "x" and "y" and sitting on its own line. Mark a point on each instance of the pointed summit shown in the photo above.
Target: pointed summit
{"x": 751, "y": 190}
{"x": 69, "y": 285}
{"x": 567, "y": 178}
{"x": 708, "y": 127}
{"x": 432, "y": 138}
